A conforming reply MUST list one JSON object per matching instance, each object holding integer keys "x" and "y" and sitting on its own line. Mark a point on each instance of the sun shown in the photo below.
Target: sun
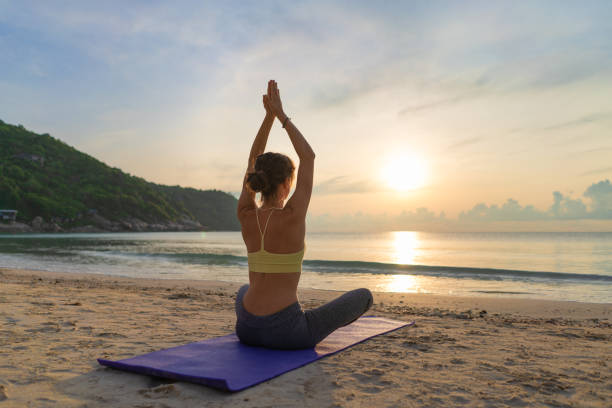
{"x": 405, "y": 172}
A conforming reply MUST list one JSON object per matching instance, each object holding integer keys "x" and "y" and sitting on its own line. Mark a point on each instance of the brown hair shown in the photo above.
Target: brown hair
{"x": 271, "y": 170}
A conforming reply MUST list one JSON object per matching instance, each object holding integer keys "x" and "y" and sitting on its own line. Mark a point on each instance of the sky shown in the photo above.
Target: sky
{"x": 434, "y": 115}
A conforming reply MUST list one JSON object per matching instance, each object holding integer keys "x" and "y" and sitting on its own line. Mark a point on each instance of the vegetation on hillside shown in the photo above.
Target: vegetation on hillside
{"x": 43, "y": 176}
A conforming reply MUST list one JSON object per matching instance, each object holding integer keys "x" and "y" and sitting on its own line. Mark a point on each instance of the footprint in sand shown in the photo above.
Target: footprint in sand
{"x": 161, "y": 391}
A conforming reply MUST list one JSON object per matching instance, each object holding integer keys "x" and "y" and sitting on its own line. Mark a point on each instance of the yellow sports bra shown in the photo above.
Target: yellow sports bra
{"x": 264, "y": 261}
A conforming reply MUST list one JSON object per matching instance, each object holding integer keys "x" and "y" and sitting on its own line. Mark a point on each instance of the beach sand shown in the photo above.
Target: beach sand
{"x": 461, "y": 352}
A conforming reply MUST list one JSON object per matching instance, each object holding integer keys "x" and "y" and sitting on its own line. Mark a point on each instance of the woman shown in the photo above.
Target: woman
{"x": 268, "y": 312}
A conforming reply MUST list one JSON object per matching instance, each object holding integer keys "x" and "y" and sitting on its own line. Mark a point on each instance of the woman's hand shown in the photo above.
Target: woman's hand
{"x": 266, "y": 103}
{"x": 272, "y": 101}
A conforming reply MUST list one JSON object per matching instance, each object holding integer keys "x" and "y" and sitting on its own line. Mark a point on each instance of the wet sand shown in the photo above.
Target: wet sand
{"x": 461, "y": 352}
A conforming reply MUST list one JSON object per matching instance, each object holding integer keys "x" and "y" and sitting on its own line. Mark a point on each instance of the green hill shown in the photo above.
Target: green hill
{"x": 41, "y": 176}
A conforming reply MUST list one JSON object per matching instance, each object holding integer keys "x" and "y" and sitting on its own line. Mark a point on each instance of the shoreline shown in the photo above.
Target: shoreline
{"x": 376, "y": 283}
{"x": 462, "y": 351}
{"x": 533, "y": 307}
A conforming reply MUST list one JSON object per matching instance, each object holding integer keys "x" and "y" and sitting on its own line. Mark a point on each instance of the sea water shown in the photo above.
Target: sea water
{"x": 558, "y": 266}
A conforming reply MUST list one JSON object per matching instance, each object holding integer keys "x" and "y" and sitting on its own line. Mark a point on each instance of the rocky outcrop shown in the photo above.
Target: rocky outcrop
{"x": 97, "y": 223}
{"x": 137, "y": 225}
{"x": 39, "y": 225}
{"x": 85, "y": 229}
{"x": 14, "y": 228}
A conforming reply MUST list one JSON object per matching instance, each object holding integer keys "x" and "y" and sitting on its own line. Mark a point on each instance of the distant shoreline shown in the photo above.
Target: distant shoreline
{"x": 18, "y": 228}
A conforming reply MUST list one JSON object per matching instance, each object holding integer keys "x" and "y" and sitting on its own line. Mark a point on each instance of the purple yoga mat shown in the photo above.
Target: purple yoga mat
{"x": 225, "y": 363}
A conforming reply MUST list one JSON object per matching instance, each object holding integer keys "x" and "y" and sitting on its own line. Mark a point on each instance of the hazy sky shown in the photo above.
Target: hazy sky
{"x": 491, "y": 100}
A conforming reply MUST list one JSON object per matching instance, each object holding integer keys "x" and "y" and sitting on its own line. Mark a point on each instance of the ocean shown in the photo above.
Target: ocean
{"x": 556, "y": 266}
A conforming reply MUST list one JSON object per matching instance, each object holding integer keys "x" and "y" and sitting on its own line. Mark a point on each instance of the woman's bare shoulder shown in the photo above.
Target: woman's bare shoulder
{"x": 246, "y": 214}
{"x": 292, "y": 214}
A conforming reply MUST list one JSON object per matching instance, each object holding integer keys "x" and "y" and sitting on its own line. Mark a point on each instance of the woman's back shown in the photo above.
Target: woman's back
{"x": 283, "y": 235}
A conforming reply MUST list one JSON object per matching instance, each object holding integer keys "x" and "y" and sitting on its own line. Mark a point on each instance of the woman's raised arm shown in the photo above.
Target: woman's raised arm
{"x": 303, "y": 190}
{"x": 247, "y": 197}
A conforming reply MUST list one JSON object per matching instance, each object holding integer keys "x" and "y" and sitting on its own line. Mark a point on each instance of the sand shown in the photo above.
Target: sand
{"x": 461, "y": 352}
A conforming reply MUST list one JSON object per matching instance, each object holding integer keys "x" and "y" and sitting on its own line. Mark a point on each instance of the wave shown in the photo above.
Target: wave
{"x": 448, "y": 271}
{"x": 352, "y": 267}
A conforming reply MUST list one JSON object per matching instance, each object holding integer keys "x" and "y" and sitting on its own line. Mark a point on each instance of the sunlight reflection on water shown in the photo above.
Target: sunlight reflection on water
{"x": 401, "y": 283}
{"x": 406, "y": 245}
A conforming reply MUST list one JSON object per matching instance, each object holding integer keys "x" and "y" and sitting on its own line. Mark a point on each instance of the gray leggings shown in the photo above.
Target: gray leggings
{"x": 294, "y": 328}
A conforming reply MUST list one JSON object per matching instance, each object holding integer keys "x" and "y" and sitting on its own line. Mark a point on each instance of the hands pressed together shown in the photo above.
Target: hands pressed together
{"x": 272, "y": 101}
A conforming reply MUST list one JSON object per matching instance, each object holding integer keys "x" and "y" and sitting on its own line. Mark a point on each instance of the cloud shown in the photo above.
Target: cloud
{"x": 344, "y": 185}
{"x": 435, "y": 104}
{"x": 464, "y": 142}
{"x": 419, "y": 215}
{"x": 452, "y": 90}
{"x": 588, "y": 151}
{"x": 558, "y": 71}
{"x": 601, "y": 199}
{"x": 597, "y": 171}
{"x": 585, "y": 120}
{"x": 419, "y": 219}
{"x": 574, "y": 123}
{"x": 565, "y": 207}
{"x": 511, "y": 210}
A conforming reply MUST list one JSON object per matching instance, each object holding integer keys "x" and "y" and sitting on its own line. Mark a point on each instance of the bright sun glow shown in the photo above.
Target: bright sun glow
{"x": 405, "y": 172}
{"x": 405, "y": 246}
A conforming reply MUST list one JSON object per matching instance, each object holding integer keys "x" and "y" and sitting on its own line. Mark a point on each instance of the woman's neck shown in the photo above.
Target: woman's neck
{"x": 272, "y": 204}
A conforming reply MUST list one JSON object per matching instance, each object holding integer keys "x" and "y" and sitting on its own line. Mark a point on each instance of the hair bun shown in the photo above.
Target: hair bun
{"x": 258, "y": 181}
{"x": 270, "y": 170}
